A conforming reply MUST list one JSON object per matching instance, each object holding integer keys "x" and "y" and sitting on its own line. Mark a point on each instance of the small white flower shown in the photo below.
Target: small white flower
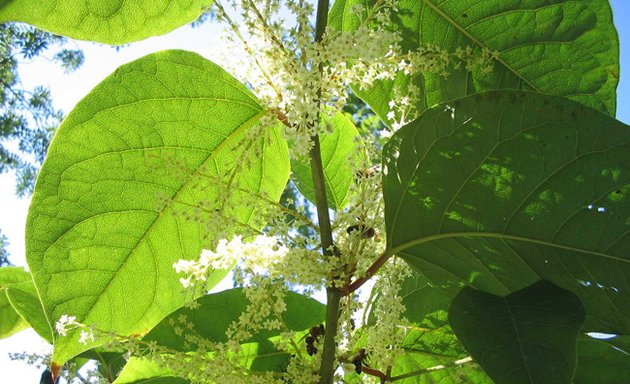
{"x": 85, "y": 337}
{"x": 65, "y": 324}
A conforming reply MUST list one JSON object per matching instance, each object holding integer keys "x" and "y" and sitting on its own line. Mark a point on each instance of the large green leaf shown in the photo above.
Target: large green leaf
{"x": 104, "y": 21}
{"x": 528, "y": 337}
{"x": 431, "y": 342}
{"x": 603, "y": 361}
{"x": 10, "y": 320}
{"x": 501, "y": 189}
{"x": 337, "y": 149}
{"x": 559, "y": 47}
{"x": 210, "y": 322}
{"x": 108, "y": 219}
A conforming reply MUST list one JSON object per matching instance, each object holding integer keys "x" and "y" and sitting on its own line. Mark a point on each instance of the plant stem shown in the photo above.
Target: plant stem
{"x": 419, "y": 372}
{"x": 368, "y": 274}
{"x": 327, "y": 368}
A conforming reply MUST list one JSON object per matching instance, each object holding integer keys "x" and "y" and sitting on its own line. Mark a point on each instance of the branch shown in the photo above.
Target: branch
{"x": 328, "y": 366}
{"x": 419, "y": 372}
{"x": 368, "y": 274}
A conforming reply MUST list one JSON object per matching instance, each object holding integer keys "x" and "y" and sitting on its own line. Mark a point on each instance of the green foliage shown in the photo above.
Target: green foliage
{"x": 509, "y": 176}
{"x": 143, "y": 371}
{"x": 27, "y": 116}
{"x": 528, "y": 336}
{"x": 210, "y": 321}
{"x": 105, "y": 168}
{"x": 337, "y": 149}
{"x": 25, "y": 300}
{"x": 105, "y": 21}
{"x": 564, "y": 48}
{"x": 431, "y": 342}
{"x": 529, "y": 177}
{"x": 10, "y": 320}
{"x": 109, "y": 364}
{"x": 603, "y": 361}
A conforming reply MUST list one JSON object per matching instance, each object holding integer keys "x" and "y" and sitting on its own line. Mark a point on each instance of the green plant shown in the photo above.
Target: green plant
{"x": 496, "y": 210}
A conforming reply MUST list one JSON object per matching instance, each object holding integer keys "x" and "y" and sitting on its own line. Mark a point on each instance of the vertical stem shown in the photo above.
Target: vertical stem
{"x": 327, "y": 368}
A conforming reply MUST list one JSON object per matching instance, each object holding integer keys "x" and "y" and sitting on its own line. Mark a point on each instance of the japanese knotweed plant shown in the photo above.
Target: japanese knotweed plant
{"x": 480, "y": 234}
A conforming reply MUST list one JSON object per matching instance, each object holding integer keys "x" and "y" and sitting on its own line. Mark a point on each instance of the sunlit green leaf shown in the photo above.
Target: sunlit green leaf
{"x": 564, "y": 47}
{"x": 10, "y": 321}
{"x": 501, "y": 189}
{"x": 144, "y": 371}
{"x": 130, "y": 184}
{"x": 529, "y": 336}
{"x": 24, "y": 299}
{"x": 104, "y": 21}
{"x": 337, "y": 148}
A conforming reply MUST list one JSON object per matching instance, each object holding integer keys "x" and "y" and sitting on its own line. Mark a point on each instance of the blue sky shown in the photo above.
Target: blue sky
{"x": 67, "y": 90}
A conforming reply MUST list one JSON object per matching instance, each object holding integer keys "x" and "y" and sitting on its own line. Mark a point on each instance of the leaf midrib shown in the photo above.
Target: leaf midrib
{"x": 496, "y": 235}
{"x": 162, "y": 214}
{"x": 519, "y": 342}
{"x": 476, "y": 41}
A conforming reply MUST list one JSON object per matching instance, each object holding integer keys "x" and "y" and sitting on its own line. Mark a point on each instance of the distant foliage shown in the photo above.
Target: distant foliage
{"x": 28, "y": 118}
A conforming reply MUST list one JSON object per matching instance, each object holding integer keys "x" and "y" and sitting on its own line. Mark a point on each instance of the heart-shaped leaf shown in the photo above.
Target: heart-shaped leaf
{"x": 528, "y": 337}
{"x": 566, "y": 48}
{"x": 133, "y": 179}
{"x": 501, "y": 189}
{"x": 104, "y": 21}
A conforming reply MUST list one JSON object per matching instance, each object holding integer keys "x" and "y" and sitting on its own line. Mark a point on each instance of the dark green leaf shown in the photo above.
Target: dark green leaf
{"x": 104, "y": 21}
{"x": 562, "y": 47}
{"x": 217, "y": 311}
{"x": 501, "y": 189}
{"x": 129, "y": 177}
{"x": 603, "y": 361}
{"x": 210, "y": 321}
{"x": 529, "y": 336}
{"x": 431, "y": 342}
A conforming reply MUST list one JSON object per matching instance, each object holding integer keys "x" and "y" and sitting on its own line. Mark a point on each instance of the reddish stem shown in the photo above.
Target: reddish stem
{"x": 368, "y": 274}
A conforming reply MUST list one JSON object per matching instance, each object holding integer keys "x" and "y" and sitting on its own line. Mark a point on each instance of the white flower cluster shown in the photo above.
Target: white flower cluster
{"x": 65, "y": 324}
{"x": 389, "y": 329}
{"x": 295, "y": 75}
{"x": 256, "y": 256}
{"x": 68, "y": 323}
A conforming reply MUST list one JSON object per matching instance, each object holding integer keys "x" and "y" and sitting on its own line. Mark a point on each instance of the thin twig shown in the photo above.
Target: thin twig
{"x": 368, "y": 274}
{"x": 250, "y": 52}
{"x": 432, "y": 369}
